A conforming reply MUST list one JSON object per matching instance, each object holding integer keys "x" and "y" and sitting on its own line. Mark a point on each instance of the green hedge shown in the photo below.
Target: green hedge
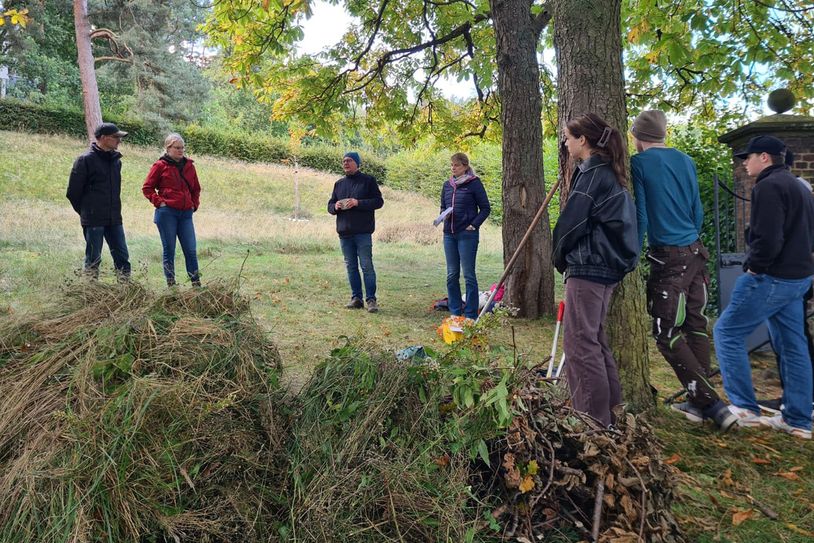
{"x": 24, "y": 117}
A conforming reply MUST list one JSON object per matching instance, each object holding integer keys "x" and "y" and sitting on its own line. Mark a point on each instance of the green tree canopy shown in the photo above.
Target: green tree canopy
{"x": 700, "y": 56}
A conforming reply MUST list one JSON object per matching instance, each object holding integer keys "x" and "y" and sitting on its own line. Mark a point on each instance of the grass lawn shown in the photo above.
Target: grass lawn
{"x": 293, "y": 272}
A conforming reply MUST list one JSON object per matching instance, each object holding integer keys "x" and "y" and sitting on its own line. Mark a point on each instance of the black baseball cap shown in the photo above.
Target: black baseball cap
{"x": 763, "y": 144}
{"x": 108, "y": 129}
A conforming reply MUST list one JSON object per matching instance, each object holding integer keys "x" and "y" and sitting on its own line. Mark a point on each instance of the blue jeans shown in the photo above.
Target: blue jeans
{"x": 758, "y": 298}
{"x": 358, "y": 251}
{"x": 114, "y": 235}
{"x": 461, "y": 250}
{"x": 175, "y": 223}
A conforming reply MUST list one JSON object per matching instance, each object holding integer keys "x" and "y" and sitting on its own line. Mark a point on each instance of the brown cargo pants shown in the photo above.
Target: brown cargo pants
{"x": 590, "y": 368}
{"x": 676, "y": 299}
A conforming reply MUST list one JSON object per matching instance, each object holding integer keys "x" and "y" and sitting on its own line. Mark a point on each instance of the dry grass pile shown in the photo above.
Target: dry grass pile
{"x": 369, "y": 459}
{"x": 129, "y": 417}
{"x": 562, "y": 473}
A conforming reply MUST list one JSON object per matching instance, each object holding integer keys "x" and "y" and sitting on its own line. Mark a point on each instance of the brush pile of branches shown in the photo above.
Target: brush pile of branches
{"x": 126, "y": 416}
{"x": 561, "y": 472}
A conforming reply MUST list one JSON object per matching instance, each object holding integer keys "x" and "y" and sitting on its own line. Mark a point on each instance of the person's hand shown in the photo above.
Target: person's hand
{"x": 163, "y": 204}
{"x": 338, "y": 204}
{"x": 351, "y": 203}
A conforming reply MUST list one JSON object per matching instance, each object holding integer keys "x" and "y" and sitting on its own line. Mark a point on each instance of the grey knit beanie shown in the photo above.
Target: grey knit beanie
{"x": 650, "y": 126}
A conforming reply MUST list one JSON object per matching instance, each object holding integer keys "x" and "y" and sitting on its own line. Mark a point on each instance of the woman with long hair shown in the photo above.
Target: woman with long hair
{"x": 595, "y": 245}
{"x": 173, "y": 188}
{"x": 464, "y": 207}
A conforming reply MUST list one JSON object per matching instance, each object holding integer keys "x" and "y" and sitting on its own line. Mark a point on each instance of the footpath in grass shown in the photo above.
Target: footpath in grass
{"x": 294, "y": 276}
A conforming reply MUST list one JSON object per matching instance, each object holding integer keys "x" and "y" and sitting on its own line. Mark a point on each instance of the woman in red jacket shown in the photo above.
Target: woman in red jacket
{"x": 172, "y": 186}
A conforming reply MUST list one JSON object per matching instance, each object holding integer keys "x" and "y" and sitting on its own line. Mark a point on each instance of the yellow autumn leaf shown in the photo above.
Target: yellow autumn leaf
{"x": 526, "y": 484}
{"x": 797, "y": 529}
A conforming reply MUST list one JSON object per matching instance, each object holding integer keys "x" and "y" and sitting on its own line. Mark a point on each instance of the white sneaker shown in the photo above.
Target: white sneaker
{"x": 745, "y": 417}
{"x": 777, "y": 423}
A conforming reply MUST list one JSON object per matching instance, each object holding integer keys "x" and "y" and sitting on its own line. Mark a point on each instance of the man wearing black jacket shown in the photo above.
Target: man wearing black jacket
{"x": 354, "y": 200}
{"x": 779, "y": 267}
{"x": 94, "y": 190}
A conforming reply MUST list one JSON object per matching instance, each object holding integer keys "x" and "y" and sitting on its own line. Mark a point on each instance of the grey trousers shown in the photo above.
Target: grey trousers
{"x": 591, "y": 370}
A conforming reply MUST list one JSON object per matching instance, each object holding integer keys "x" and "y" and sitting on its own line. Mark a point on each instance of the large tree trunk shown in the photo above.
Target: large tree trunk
{"x": 588, "y": 44}
{"x": 87, "y": 71}
{"x": 530, "y": 287}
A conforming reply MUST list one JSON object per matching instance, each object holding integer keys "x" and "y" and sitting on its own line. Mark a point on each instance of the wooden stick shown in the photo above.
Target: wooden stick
{"x": 523, "y": 241}
{"x": 600, "y": 496}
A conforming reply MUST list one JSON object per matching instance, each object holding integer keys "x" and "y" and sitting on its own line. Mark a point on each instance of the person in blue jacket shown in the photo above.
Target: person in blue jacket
{"x": 464, "y": 207}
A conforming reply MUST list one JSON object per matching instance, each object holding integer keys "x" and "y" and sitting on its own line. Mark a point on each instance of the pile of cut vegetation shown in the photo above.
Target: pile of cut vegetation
{"x": 458, "y": 447}
{"x": 126, "y": 416}
{"x": 369, "y": 457}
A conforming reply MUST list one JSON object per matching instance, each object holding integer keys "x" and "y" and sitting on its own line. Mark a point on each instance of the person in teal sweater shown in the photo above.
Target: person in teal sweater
{"x": 668, "y": 210}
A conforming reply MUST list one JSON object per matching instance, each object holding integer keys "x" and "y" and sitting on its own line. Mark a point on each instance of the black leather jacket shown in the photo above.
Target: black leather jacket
{"x": 596, "y": 236}
{"x": 95, "y": 186}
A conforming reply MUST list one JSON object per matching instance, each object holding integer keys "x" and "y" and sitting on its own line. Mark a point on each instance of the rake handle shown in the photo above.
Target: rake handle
{"x": 520, "y": 245}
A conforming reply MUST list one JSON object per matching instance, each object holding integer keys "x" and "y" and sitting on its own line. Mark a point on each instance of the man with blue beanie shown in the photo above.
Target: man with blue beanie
{"x": 354, "y": 200}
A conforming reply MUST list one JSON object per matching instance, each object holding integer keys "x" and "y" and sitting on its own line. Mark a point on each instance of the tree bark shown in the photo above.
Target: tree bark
{"x": 588, "y": 45}
{"x": 530, "y": 287}
{"x": 87, "y": 71}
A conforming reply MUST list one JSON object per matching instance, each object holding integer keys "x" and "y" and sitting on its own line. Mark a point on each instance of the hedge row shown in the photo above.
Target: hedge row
{"x": 24, "y": 117}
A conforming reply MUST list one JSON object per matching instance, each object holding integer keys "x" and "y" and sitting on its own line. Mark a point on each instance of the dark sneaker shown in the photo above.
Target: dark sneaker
{"x": 722, "y": 416}
{"x": 372, "y": 306}
{"x": 692, "y": 413}
{"x": 355, "y": 303}
{"x": 772, "y": 406}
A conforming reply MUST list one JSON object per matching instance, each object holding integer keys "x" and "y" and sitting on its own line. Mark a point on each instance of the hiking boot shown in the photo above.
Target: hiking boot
{"x": 692, "y": 413}
{"x": 721, "y": 415}
{"x": 745, "y": 417}
{"x": 777, "y": 423}
{"x": 171, "y": 283}
{"x": 355, "y": 303}
{"x": 372, "y": 306}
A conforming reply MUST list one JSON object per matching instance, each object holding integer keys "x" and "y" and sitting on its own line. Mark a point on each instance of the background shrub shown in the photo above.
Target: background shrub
{"x": 21, "y": 116}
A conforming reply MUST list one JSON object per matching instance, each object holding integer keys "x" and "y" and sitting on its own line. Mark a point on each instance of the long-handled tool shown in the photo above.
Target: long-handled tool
{"x": 560, "y": 311}
{"x": 520, "y": 245}
{"x": 560, "y": 367}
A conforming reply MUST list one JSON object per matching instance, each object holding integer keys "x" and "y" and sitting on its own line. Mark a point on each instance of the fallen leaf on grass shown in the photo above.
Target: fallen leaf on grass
{"x": 790, "y": 475}
{"x": 796, "y": 529}
{"x": 673, "y": 459}
{"x": 726, "y": 478}
{"x": 740, "y": 516}
{"x": 763, "y": 461}
{"x": 527, "y": 484}
{"x": 442, "y": 461}
{"x": 795, "y": 469}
